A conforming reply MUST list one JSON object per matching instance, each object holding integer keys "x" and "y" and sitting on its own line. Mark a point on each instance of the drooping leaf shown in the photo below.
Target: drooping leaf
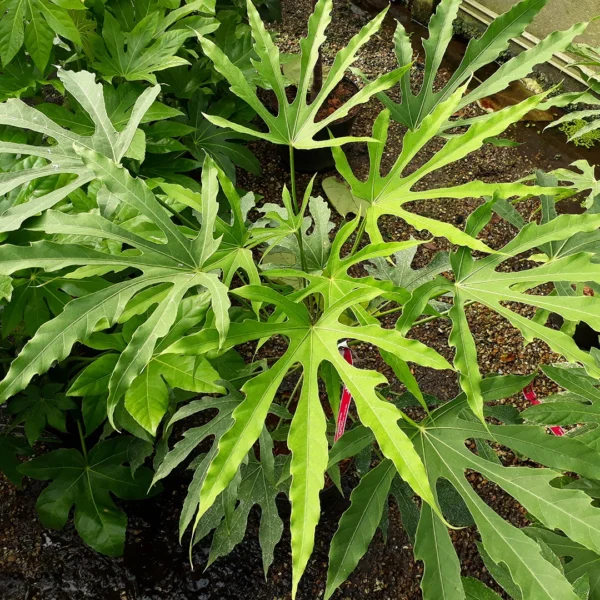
{"x": 358, "y": 524}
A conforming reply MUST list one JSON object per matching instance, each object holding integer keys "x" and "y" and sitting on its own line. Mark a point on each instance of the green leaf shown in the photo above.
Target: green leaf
{"x": 476, "y": 590}
{"x": 12, "y": 33}
{"x": 441, "y": 576}
{"x": 137, "y": 55}
{"x": 309, "y": 345}
{"x": 481, "y": 51}
{"x": 38, "y": 41}
{"x": 581, "y": 561}
{"x": 386, "y": 195}
{"x": 174, "y": 263}
{"x": 60, "y": 158}
{"x": 37, "y": 409}
{"x": 444, "y": 452}
{"x": 87, "y": 483}
{"x": 295, "y": 125}
{"x": 147, "y": 398}
{"x": 257, "y": 486}
{"x": 401, "y": 273}
{"x": 358, "y": 524}
{"x": 11, "y": 447}
{"x": 93, "y": 380}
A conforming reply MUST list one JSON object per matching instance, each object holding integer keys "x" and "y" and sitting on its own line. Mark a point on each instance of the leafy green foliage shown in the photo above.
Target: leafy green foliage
{"x": 11, "y": 448}
{"x": 37, "y": 409}
{"x": 294, "y": 124}
{"x": 582, "y": 125}
{"x": 138, "y": 54}
{"x": 414, "y": 109}
{"x": 33, "y": 24}
{"x": 61, "y": 158}
{"x": 127, "y": 250}
{"x": 386, "y": 195}
{"x": 87, "y": 483}
{"x": 169, "y": 270}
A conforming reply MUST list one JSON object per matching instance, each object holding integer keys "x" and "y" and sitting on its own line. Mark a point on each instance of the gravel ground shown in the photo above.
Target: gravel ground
{"x": 36, "y": 564}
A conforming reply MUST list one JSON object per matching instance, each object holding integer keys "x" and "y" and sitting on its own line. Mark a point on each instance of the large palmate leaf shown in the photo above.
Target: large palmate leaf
{"x": 169, "y": 269}
{"x": 294, "y": 124}
{"x": 141, "y": 52}
{"x": 310, "y": 345}
{"x": 387, "y": 195}
{"x": 34, "y": 24}
{"x": 481, "y": 51}
{"x": 368, "y": 500}
{"x": 480, "y": 281}
{"x": 60, "y": 158}
{"x": 440, "y": 441}
{"x": 87, "y": 482}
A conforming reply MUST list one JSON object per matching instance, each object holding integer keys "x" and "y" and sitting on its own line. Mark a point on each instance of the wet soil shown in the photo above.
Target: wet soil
{"x": 38, "y": 564}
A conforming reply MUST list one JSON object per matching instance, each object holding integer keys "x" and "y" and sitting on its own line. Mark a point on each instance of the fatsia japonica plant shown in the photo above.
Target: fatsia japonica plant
{"x": 162, "y": 291}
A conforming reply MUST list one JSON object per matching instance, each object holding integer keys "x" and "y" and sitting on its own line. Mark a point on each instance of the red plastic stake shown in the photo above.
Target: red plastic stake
{"x": 346, "y": 396}
{"x": 531, "y": 396}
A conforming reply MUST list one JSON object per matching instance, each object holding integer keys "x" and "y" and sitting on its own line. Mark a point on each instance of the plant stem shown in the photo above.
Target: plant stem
{"x": 183, "y": 219}
{"x": 359, "y": 236}
{"x": 298, "y": 208}
{"x": 83, "y": 448}
{"x": 293, "y": 178}
{"x": 289, "y": 402}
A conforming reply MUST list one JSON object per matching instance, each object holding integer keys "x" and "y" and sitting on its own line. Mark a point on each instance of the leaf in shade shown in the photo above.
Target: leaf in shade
{"x": 88, "y": 483}
{"x": 257, "y": 486}
{"x": 38, "y": 408}
{"x": 358, "y": 524}
{"x": 11, "y": 448}
{"x": 476, "y": 590}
